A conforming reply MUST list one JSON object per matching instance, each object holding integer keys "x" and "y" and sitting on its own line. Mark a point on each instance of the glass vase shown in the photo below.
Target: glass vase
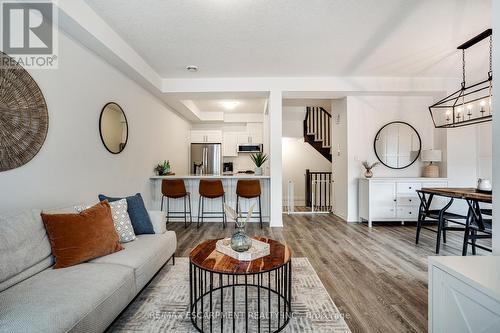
{"x": 240, "y": 241}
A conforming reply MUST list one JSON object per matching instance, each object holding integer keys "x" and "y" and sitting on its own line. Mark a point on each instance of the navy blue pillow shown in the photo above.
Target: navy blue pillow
{"x": 137, "y": 211}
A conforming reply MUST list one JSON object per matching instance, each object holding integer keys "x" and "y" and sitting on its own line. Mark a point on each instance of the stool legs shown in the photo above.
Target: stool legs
{"x": 187, "y": 201}
{"x": 223, "y": 212}
{"x": 260, "y": 209}
{"x": 200, "y": 202}
{"x": 260, "y": 213}
{"x": 168, "y": 210}
{"x": 201, "y": 211}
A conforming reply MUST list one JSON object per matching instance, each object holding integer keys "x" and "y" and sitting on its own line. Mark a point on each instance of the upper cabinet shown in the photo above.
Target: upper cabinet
{"x": 208, "y": 136}
{"x": 252, "y": 135}
{"x": 230, "y": 144}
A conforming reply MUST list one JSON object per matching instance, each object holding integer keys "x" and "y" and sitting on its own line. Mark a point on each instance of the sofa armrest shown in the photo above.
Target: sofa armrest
{"x": 158, "y": 220}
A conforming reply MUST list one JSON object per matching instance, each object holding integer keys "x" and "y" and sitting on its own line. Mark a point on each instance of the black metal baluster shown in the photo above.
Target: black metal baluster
{"x": 202, "y": 294}
{"x": 258, "y": 301}
{"x": 269, "y": 299}
{"x": 234, "y": 306}
{"x": 196, "y": 286}
{"x": 246, "y": 304}
{"x": 221, "y": 284}
{"x": 190, "y": 290}
{"x": 278, "y": 279}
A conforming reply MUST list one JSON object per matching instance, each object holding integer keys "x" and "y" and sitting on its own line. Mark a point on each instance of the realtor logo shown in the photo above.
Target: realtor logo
{"x": 29, "y": 33}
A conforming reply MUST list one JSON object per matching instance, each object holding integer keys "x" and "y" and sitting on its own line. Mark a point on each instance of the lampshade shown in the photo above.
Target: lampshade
{"x": 431, "y": 155}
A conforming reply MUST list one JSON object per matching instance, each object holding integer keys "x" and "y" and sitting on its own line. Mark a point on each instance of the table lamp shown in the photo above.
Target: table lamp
{"x": 431, "y": 155}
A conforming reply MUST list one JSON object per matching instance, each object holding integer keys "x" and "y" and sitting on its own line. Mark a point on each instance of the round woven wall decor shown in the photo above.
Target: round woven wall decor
{"x": 24, "y": 119}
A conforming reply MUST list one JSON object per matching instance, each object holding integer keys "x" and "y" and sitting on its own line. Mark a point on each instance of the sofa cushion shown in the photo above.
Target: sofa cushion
{"x": 85, "y": 298}
{"x": 146, "y": 255}
{"x": 24, "y": 247}
{"x": 137, "y": 212}
{"x": 76, "y": 238}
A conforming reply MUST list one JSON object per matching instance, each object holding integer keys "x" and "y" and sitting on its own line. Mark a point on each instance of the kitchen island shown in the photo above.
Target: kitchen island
{"x": 228, "y": 181}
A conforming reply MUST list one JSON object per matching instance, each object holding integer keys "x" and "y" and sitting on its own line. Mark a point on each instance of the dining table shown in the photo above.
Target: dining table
{"x": 472, "y": 196}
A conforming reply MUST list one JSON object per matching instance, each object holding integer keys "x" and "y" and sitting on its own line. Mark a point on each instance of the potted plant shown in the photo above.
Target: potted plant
{"x": 258, "y": 159}
{"x": 163, "y": 168}
{"x": 368, "y": 168}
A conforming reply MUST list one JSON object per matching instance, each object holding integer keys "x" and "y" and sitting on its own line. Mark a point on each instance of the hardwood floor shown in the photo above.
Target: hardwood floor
{"x": 377, "y": 277}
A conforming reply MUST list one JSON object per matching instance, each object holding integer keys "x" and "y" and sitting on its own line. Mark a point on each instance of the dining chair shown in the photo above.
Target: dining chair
{"x": 440, "y": 216}
{"x": 477, "y": 227}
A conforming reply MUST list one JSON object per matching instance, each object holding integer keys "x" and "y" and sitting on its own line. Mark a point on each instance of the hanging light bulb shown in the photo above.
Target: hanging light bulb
{"x": 482, "y": 104}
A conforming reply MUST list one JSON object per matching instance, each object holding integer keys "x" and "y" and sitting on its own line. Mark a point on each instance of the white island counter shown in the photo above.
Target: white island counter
{"x": 228, "y": 181}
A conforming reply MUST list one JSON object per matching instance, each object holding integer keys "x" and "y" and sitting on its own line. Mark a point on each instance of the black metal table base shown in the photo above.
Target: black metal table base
{"x": 259, "y": 302}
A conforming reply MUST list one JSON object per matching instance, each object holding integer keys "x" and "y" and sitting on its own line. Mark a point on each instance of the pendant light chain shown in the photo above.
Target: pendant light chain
{"x": 490, "y": 73}
{"x": 463, "y": 68}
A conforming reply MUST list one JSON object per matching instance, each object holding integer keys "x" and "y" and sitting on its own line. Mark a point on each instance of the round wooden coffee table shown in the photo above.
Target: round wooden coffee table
{"x": 228, "y": 294}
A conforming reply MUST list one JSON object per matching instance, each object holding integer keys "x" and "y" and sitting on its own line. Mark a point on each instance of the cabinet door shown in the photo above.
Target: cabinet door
{"x": 243, "y": 138}
{"x": 255, "y": 133}
{"x": 230, "y": 144}
{"x": 198, "y": 137}
{"x": 255, "y": 138}
{"x": 213, "y": 136}
{"x": 383, "y": 200}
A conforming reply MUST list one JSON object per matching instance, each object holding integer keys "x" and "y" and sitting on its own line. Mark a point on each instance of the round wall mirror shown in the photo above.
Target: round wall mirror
{"x": 397, "y": 145}
{"x": 113, "y": 128}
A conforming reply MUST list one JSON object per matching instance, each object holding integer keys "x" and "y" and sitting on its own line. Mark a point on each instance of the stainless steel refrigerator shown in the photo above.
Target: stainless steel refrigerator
{"x": 206, "y": 158}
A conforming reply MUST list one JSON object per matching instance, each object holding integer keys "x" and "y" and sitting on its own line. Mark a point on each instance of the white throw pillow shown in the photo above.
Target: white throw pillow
{"x": 123, "y": 225}
{"x": 121, "y": 219}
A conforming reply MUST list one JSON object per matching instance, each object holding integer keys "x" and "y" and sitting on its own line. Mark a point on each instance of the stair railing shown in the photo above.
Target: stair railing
{"x": 318, "y": 190}
{"x": 318, "y": 123}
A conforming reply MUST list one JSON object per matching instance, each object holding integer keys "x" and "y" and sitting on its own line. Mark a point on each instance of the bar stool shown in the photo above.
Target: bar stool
{"x": 175, "y": 189}
{"x": 248, "y": 189}
{"x": 211, "y": 189}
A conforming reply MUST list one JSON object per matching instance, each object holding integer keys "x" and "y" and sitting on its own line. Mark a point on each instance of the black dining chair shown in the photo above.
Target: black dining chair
{"x": 477, "y": 227}
{"x": 440, "y": 216}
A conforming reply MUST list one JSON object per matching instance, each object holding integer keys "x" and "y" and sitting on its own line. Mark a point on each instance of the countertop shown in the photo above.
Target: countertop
{"x": 482, "y": 272}
{"x": 233, "y": 176}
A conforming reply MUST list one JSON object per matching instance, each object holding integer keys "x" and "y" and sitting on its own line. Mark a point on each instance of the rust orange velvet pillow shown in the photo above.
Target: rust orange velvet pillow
{"x": 76, "y": 238}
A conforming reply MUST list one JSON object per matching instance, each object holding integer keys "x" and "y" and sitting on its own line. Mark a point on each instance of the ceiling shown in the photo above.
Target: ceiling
{"x": 256, "y": 105}
{"x": 262, "y": 38}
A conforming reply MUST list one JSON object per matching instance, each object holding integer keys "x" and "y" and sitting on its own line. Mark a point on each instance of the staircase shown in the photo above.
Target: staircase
{"x": 318, "y": 130}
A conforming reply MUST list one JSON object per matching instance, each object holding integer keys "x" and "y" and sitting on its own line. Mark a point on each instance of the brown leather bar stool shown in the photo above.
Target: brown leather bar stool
{"x": 211, "y": 189}
{"x": 175, "y": 189}
{"x": 248, "y": 189}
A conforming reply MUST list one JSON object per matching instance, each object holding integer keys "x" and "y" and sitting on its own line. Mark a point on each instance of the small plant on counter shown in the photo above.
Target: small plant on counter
{"x": 258, "y": 159}
{"x": 163, "y": 168}
{"x": 368, "y": 168}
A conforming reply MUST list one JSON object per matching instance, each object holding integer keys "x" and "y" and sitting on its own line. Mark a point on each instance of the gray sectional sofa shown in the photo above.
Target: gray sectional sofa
{"x": 82, "y": 298}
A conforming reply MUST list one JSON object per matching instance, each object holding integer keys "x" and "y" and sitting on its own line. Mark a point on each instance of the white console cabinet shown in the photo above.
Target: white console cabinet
{"x": 393, "y": 199}
{"x": 464, "y": 294}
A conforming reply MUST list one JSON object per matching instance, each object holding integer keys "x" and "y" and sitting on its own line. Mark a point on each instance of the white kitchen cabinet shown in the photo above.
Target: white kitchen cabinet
{"x": 464, "y": 294}
{"x": 252, "y": 135}
{"x": 393, "y": 199}
{"x": 230, "y": 144}
{"x": 209, "y": 136}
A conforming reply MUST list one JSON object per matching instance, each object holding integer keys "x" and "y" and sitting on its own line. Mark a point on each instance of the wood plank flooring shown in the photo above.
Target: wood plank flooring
{"x": 377, "y": 277}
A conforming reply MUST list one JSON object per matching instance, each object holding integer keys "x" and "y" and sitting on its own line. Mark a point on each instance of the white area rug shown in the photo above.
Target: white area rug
{"x": 163, "y": 305}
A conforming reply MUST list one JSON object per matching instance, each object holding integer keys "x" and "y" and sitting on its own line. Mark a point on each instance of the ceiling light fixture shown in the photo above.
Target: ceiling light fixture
{"x": 230, "y": 105}
{"x": 192, "y": 68}
{"x": 475, "y": 99}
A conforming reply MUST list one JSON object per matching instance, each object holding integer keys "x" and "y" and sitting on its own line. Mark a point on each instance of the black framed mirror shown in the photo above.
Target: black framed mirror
{"x": 113, "y": 128}
{"x": 397, "y": 145}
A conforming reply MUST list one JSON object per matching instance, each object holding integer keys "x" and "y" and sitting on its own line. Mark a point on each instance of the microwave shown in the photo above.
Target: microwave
{"x": 250, "y": 148}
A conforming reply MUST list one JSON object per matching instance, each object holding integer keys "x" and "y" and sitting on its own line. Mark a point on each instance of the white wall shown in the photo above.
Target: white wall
{"x": 339, "y": 157}
{"x": 365, "y": 116}
{"x": 73, "y": 165}
{"x": 298, "y": 155}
